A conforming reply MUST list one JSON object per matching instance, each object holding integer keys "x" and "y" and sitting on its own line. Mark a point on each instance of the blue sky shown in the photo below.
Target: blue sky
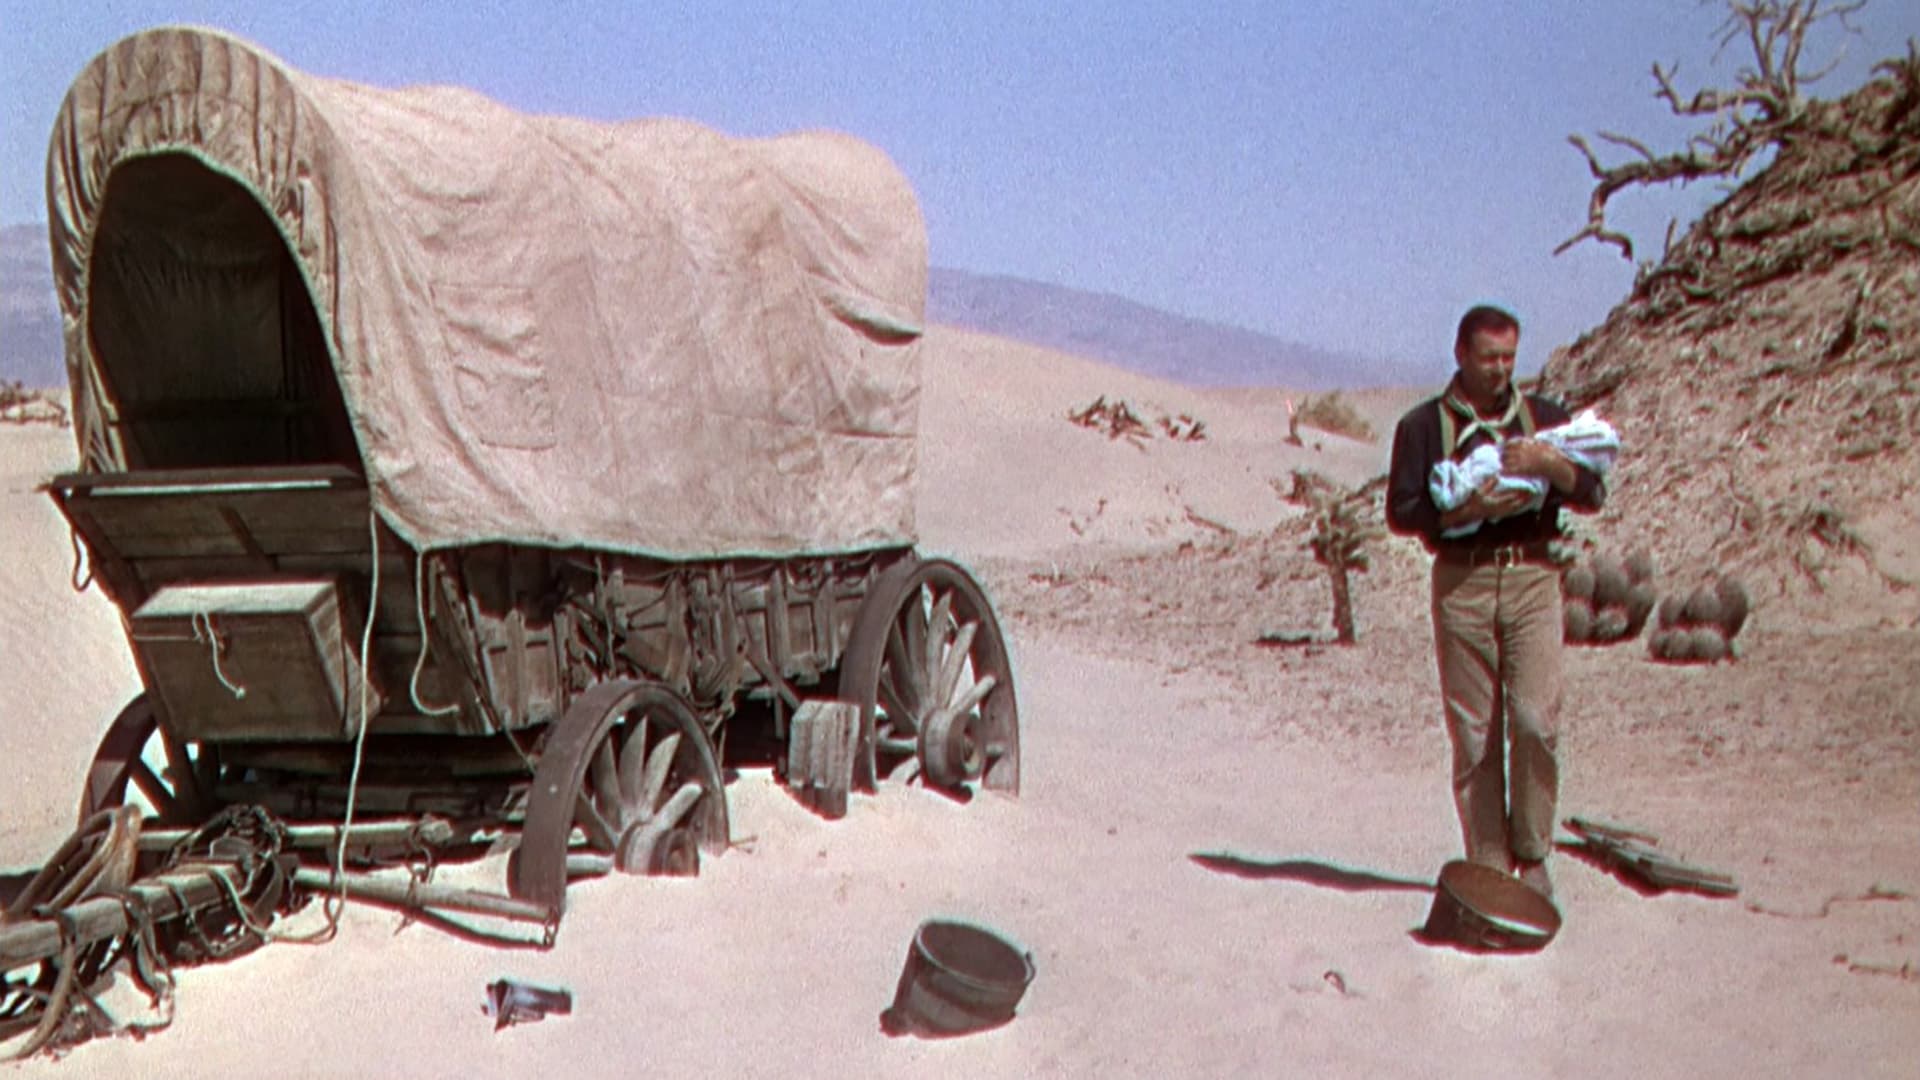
{"x": 1350, "y": 175}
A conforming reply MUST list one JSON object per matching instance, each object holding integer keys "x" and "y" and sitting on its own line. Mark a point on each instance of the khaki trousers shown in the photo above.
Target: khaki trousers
{"x": 1497, "y": 632}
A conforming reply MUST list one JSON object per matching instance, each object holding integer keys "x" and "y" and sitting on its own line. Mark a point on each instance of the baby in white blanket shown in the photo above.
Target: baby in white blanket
{"x": 1586, "y": 440}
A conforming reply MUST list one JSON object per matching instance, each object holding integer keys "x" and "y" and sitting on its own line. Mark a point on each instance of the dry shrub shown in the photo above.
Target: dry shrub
{"x": 19, "y": 405}
{"x": 1700, "y": 625}
{"x": 1640, "y": 566}
{"x": 1116, "y": 418}
{"x": 1703, "y": 607}
{"x": 1577, "y": 583}
{"x": 1119, "y": 420}
{"x": 1671, "y": 609}
{"x": 1660, "y": 644}
{"x": 1615, "y": 597}
{"x": 1577, "y": 620}
{"x": 1335, "y": 415}
{"x": 1734, "y": 605}
{"x": 1640, "y": 601}
{"x": 1708, "y": 645}
{"x": 1611, "y": 585}
{"x": 1680, "y": 644}
{"x": 1344, "y": 523}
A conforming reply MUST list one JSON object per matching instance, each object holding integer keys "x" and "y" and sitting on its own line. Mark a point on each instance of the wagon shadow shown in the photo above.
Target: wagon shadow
{"x": 12, "y": 884}
{"x": 463, "y": 931}
{"x": 1326, "y": 875}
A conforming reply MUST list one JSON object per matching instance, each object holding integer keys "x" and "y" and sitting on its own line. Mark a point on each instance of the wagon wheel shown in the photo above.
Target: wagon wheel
{"x": 168, "y": 781}
{"x": 629, "y": 769}
{"x": 928, "y": 667}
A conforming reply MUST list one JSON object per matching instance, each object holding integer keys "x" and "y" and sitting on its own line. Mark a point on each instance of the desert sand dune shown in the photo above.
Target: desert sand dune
{"x": 1154, "y": 730}
{"x": 1005, "y": 474}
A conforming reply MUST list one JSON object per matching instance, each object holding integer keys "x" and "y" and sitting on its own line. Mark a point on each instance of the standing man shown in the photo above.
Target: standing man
{"x": 1496, "y": 592}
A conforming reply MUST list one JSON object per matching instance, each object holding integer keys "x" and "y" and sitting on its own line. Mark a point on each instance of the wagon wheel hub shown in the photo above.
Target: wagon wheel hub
{"x": 674, "y": 853}
{"x": 951, "y": 750}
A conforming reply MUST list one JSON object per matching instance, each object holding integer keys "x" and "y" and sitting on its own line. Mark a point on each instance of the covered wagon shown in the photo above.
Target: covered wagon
{"x": 519, "y": 470}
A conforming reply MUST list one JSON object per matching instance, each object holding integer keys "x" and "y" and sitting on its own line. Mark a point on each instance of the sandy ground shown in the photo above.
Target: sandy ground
{"x": 1132, "y": 583}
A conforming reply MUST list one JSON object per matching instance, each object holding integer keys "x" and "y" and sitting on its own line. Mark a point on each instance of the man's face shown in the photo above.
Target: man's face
{"x": 1486, "y": 362}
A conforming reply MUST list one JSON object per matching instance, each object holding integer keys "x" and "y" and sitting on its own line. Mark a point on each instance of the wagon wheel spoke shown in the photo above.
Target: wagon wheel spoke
{"x": 676, "y": 808}
{"x": 913, "y": 632}
{"x": 655, "y": 781}
{"x": 951, "y": 665}
{"x": 890, "y": 700}
{"x": 605, "y": 788}
{"x": 905, "y": 640}
{"x": 938, "y": 622}
{"x": 601, "y": 833}
{"x": 157, "y": 791}
{"x": 974, "y": 695}
{"x": 191, "y": 778}
{"x": 630, "y": 783}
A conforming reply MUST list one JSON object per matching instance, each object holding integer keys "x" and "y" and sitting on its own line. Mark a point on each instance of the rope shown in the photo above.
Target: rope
{"x": 420, "y": 662}
{"x": 515, "y": 743}
{"x": 111, "y": 856}
{"x": 190, "y": 920}
{"x": 150, "y": 966}
{"x": 79, "y": 557}
{"x": 56, "y": 1007}
{"x": 202, "y": 622}
{"x": 337, "y": 903}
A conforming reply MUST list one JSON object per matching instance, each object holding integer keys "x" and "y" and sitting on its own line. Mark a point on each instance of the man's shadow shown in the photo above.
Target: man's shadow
{"x": 1307, "y": 871}
{"x": 1346, "y": 879}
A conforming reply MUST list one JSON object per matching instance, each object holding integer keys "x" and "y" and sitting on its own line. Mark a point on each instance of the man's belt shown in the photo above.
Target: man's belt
{"x": 1491, "y": 555}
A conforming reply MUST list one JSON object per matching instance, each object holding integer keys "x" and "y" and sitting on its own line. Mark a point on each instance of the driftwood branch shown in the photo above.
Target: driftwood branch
{"x": 1762, "y": 110}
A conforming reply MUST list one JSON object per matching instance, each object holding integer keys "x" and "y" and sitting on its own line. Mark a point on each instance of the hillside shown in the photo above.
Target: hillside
{"x": 30, "y": 347}
{"x": 1139, "y": 338}
{"x": 1765, "y": 374}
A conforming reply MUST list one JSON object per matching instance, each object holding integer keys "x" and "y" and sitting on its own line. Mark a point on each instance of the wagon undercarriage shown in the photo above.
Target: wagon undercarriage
{"x": 581, "y": 701}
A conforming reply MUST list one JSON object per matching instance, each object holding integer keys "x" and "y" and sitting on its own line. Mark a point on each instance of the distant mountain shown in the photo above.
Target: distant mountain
{"x": 31, "y": 349}
{"x": 1096, "y": 325}
{"x": 1141, "y": 338}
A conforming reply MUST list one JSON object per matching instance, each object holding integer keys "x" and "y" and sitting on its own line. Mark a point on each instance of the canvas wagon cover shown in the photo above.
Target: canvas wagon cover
{"x": 638, "y": 336}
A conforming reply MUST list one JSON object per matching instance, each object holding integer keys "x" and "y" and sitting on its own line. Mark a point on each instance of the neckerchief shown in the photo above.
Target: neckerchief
{"x": 1496, "y": 428}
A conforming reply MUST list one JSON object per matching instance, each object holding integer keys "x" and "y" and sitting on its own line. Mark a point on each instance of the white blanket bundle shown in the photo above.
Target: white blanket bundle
{"x": 1586, "y": 439}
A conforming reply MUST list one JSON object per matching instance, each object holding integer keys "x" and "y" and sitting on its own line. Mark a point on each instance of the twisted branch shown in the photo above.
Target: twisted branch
{"x": 1760, "y": 112}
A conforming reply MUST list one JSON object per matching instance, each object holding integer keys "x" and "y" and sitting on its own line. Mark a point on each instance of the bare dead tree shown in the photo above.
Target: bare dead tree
{"x": 1765, "y": 108}
{"x": 1342, "y": 529}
